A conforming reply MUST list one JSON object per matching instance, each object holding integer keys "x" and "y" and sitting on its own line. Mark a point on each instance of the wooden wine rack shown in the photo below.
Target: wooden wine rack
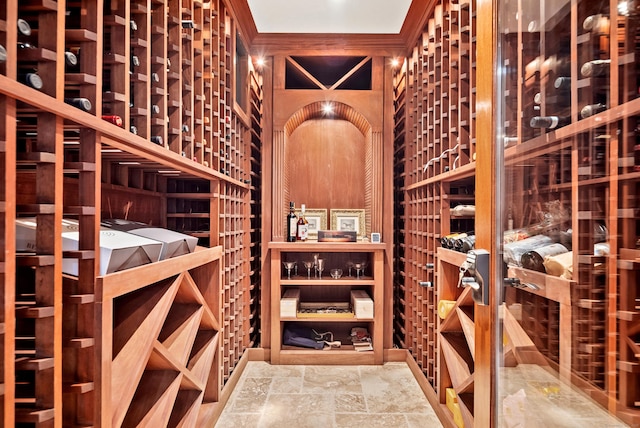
{"x": 186, "y": 157}
{"x": 434, "y": 149}
{"x": 587, "y": 171}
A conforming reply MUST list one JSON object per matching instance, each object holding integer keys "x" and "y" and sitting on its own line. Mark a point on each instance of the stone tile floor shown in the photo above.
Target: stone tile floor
{"x": 327, "y": 397}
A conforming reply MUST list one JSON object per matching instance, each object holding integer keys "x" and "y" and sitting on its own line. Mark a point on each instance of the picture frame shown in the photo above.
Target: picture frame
{"x": 317, "y": 218}
{"x": 348, "y": 220}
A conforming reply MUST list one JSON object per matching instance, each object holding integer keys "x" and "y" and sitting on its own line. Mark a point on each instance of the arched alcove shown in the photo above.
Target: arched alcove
{"x": 328, "y": 160}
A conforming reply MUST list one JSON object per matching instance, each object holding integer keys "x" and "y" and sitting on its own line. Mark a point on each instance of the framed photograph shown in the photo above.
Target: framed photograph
{"x": 317, "y": 219}
{"x": 348, "y": 220}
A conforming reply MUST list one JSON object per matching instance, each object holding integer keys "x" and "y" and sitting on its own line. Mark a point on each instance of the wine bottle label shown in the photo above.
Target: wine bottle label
{"x": 293, "y": 224}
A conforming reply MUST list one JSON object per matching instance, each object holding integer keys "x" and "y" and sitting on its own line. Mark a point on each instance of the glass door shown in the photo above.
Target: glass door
{"x": 566, "y": 277}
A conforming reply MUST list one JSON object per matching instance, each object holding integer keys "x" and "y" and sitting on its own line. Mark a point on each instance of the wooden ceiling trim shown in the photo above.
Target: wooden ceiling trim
{"x": 244, "y": 19}
{"x": 415, "y": 22}
{"x": 316, "y": 110}
{"x": 328, "y": 44}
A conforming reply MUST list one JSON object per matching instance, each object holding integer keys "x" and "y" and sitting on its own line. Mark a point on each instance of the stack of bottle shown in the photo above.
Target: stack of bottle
{"x": 461, "y": 241}
{"x": 550, "y": 253}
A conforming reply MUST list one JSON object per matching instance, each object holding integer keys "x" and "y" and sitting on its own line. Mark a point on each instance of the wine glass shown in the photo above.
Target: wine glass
{"x": 308, "y": 264}
{"x": 336, "y": 273}
{"x": 349, "y": 267}
{"x": 320, "y": 267}
{"x": 315, "y": 261}
{"x": 358, "y": 267}
{"x": 289, "y": 266}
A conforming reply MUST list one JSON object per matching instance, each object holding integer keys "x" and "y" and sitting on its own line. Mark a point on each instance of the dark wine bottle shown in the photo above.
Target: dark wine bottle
{"x": 156, "y": 139}
{"x": 591, "y": 109}
{"x": 292, "y": 222}
{"x": 185, "y": 128}
{"x": 155, "y": 109}
{"x": 534, "y": 259}
{"x": 70, "y": 59}
{"x": 133, "y": 25}
{"x": 155, "y": 78}
{"x": 116, "y": 120}
{"x": 135, "y": 61}
{"x": 81, "y": 103}
{"x": 550, "y": 122}
{"x": 32, "y": 79}
{"x": 3, "y": 54}
{"x": 133, "y": 129}
{"x": 562, "y": 83}
{"x": 465, "y": 244}
{"x": 596, "y": 67}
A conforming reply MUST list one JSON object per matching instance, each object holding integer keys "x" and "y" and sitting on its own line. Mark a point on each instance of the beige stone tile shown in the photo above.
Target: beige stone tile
{"x": 241, "y": 420}
{"x": 264, "y": 369}
{"x": 351, "y": 420}
{"x": 427, "y": 420}
{"x": 286, "y": 385}
{"x": 350, "y": 403}
{"x": 332, "y": 379}
{"x": 298, "y": 410}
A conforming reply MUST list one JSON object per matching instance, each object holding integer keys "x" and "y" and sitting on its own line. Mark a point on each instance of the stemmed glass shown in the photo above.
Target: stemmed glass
{"x": 308, "y": 264}
{"x": 358, "y": 267}
{"x": 349, "y": 266}
{"x": 289, "y": 266}
{"x": 320, "y": 267}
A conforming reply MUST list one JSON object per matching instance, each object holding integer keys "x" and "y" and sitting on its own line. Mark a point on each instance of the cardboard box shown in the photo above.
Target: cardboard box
{"x": 362, "y": 304}
{"x": 337, "y": 236}
{"x": 118, "y": 250}
{"x": 173, "y": 243}
{"x": 289, "y": 303}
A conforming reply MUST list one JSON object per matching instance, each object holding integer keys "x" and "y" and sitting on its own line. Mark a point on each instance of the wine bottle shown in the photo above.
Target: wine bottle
{"x": 156, "y": 139}
{"x": 70, "y": 59}
{"x": 463, "y": 245}
{"x": 292, "y": 223}
{"x": 31, "y": 79}
{"x": 3, "y": 54}
{"x": 133, "y": 129}
{"x": 302, "y": 227}
{"x": 155, "y": 109}
{"x": 133, "y": 25}
{"x": 135, "y": 61}
{"x": 116, "y": 120}
{"x": 533, "y": 259}
{"x": 597, "y": 24}
{"x": 513, "y": 251}
{"x": 596, "y": 67}
{"x": 81, "y": 103}
{"x": 550, "y": 122}
{"x": 562, "y": 83}
{"x": 155, "y": 78}
{"x": 23, "y": 27}
{"x": 591, "y": 109}
{"x": 185, "y": 128}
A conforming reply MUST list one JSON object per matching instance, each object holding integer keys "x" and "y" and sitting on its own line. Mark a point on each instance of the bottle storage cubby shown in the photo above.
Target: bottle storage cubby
{"x": 112, "y": 110}
{"x": 324, "y": 302}
{"x": 569, "y": 110}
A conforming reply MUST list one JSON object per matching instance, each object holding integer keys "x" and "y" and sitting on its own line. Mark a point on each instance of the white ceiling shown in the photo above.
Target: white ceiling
{"x": 329, "y": 16}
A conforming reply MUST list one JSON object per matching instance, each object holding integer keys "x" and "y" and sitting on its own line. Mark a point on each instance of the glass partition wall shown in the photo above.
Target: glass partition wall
{"x": 568, "y": 128}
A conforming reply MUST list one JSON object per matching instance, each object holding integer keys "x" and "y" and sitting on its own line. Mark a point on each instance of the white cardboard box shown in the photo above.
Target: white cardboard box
{"x": 362, "y": 304}
{"x": 173, "y": 243}
{"x": 118, "y": 250}
{"x": 289, "y": 303}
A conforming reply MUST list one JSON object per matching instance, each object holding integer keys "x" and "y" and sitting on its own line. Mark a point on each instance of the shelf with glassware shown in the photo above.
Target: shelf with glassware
{"x": 326, "y": 298}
